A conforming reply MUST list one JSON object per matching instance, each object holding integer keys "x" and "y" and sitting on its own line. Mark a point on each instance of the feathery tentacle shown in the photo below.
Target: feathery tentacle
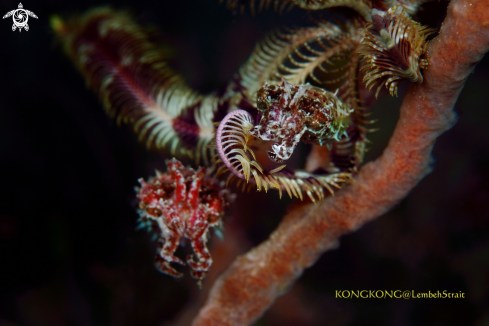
{"x": 394, "y": 49}
{"x": 135, "y": 83}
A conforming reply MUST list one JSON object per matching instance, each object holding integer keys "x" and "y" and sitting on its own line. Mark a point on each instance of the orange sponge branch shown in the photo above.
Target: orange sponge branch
{"x": 257, "y": 278}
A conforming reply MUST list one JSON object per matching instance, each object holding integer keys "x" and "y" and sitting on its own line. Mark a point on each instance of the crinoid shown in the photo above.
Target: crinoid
{"x": 299, "y": 85}
{"x": 394, "y": 49}
{"x": 135, "y": 84}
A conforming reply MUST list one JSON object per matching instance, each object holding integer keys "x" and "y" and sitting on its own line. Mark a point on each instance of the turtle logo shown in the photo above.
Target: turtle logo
{"x": 20, "y": 17}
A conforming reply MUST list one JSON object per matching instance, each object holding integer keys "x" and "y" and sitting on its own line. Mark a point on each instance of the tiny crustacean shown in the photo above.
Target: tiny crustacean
{"x": 182, "y": 203}
{"x": 294, "y": 113}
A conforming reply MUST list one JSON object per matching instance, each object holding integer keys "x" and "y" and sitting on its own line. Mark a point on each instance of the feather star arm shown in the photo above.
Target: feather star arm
{"x": 135, "y": 84}
{"x": 394, "y": 49}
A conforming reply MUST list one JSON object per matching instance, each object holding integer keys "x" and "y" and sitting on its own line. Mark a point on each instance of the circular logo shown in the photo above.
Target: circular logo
{"x": 20, "y": 18}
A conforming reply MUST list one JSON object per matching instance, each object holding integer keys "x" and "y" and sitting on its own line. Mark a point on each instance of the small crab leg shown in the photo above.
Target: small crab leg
{"x": 174, "y": 167}
{"x": 199, "y": 268}
{"x": 202, "y": 254}
{"x": 202, "y": 259}
{"x": 165, "y": 255}
{"x": 193, "y": 192}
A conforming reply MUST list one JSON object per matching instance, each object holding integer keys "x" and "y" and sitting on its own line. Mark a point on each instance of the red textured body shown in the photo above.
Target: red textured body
{"x": 182, "y": 203}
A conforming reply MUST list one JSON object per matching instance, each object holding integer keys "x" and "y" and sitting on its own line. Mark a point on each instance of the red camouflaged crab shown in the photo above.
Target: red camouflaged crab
{"x": 182, "y": 203}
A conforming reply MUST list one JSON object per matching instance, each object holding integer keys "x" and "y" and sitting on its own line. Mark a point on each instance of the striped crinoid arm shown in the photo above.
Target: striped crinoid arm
{"x": 320, "y": 55}
{"x": 135, "y": 84}
{"x": 394, "y": 50}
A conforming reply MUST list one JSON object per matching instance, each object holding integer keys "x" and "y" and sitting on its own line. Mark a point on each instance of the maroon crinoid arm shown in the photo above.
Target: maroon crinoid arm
{"x": 182, "y": 203}
{"x": 135, "y": 84}
{"x": 394, "y": 49}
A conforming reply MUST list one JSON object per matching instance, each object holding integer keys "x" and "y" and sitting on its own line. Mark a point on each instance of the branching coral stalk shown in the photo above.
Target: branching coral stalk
{"x": 256, "y": 279}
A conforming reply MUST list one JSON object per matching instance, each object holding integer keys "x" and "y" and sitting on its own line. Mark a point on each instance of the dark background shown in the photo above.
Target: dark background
{"x": 69, "y": 254}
